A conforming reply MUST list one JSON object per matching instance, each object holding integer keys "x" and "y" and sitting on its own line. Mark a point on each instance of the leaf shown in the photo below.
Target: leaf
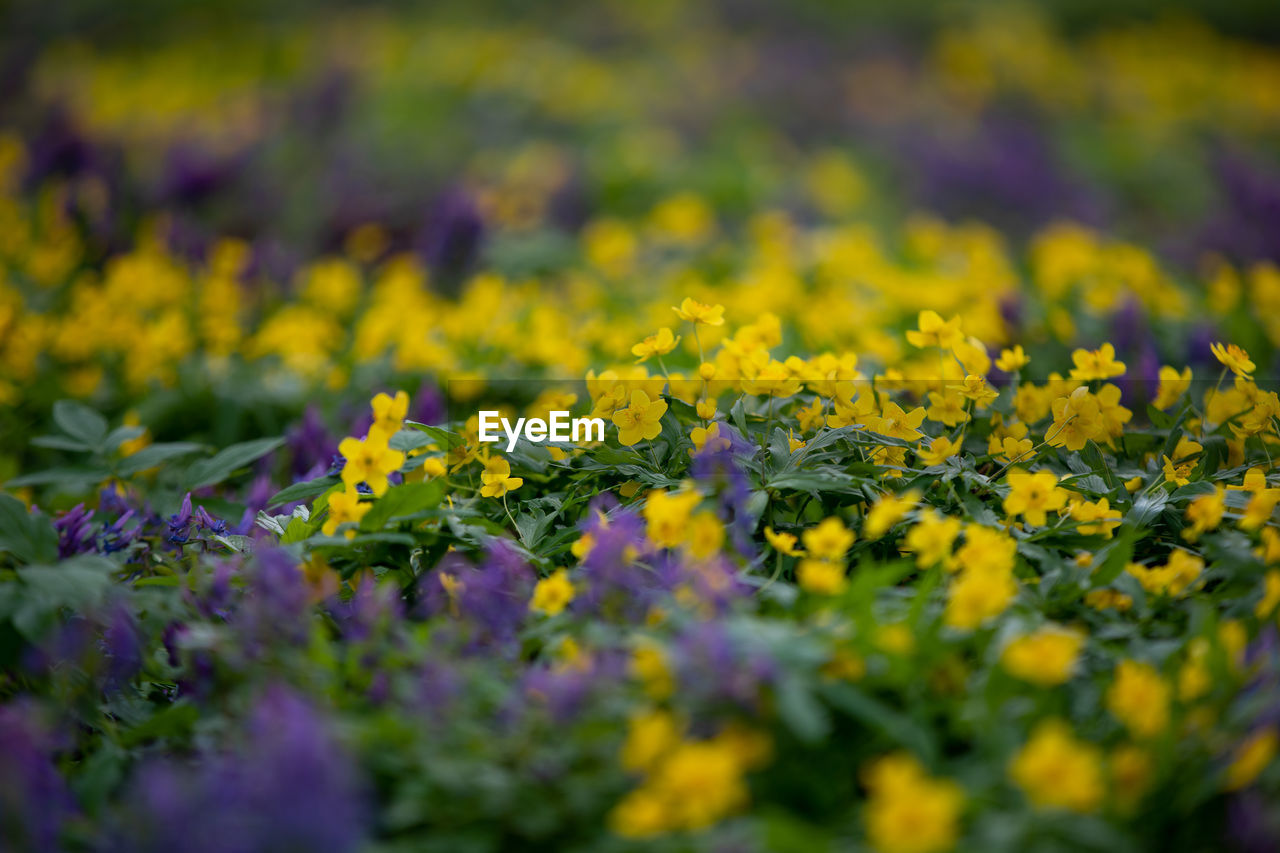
{"x": 440, "y": 434}
{"x": 801, "y": 711}
{"x": 225, "y": 462}
{"x": 303, "y": 491}
{"x": 894, "y": 725}
{"x": 80, "y": 422}
{"x": 60, "y": 442}
{"x": 121, "y": 434}
{"x": 29, "y": 537}
{"x": 78, "y": 584}
{"x": 71, "y": 477}
{"x": 152, "y": 455}
{"x": 401, "y": 501}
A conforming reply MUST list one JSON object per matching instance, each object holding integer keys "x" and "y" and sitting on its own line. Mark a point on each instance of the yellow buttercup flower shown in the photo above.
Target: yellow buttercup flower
{"x": 659, "y": 343}
{"x": 1205, "y": 513}
{"x": 389, "y": 412}
{"x": 699, "y": 313}
{"x": 975, "y": 388}
{"x": 369, "y": 461}
{"x": 552, "y": 594}
{"x": 1097, "y": 518}
{"x": 1139, "y": 698}
{"x": 939, "y": 451}
{"x": 1251, "y": 758}
{"x": 1046, "y": 657}
{"x": 1172, "y": 386}
{"x": 887, "y": 511}
{"x": 666, "y": 516}
{"x": 1013, "y": 359}
{"x": 931, "y": 538}
{"x": 1055, "y": 770}
{"x": 932, "y": 331}
{"x": 496, "y": 479}
{"x": 829, "y": 540}
{"x": 1097, "y": 364}
{"x": 344, "y": 507}
{"x": 1234, "y": 359}
{"x": 947, "y": 408}
{"x": 1033, "y": 495}
{"x": 907, "y": 810}
{"x": 640, "y": 420}
{"x": 705, "y": 536}
{"x": 786, "y": 543}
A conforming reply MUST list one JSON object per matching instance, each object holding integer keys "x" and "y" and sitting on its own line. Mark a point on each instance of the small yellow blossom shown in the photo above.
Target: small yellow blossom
{"x": 699, "y": 313}
{"x": 1139, "y": 698}
{"x": 1055, "y": 770}
{"x": 935, "y": 332}
{"x": 659, "y": 343}
{"x": 1098, "y": 364}
{"x": 666, "y": 516}
{"x": 939, "y": 451}
{"x": 1205, "y": 513}
{"x": 1013, "y": 359}
{"x": 1172, "y": 386}
{"x": 496, "y": 479}
{"x": 1251, "y": 758}
{"x": 1046, "y": 657}
{"x": 829, "y": 540}
{"x": 931, "y": 538}
{"x": 907, "y": 810}
{"x": 887, "y": 511}
{"x": 641, "y": 419}
{"x": 552, "y": 594}
{"x": 344, "y": 506}
{"x": 1034, "y": 495}
{"x": 784, "y": 543}
{"x": 389, "y": 412}
{"x": 369, "y": 460}
{"x": 1233, "y": 358}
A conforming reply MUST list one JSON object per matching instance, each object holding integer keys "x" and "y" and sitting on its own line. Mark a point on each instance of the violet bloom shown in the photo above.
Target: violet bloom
{"x": 34, "y": 800}
{"x": 288, "y": 786}
{"x": 491, "y": 601}
{"x": 276, "y": 609}
{"x": 122, "y": 646}
{"x": 616, "y": 588}
{"x": 452, "y": 234}
{"x": 75, "y": 531}
{"x": 719, "y": 468}
{"x": 309, "y": 443}
{"x": 714, "y": 665}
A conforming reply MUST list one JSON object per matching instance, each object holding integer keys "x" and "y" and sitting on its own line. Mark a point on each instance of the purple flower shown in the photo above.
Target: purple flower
{"x": 75, "y": 531}
{"x": 34, "y": 800}
{"x": 287, "y": 785}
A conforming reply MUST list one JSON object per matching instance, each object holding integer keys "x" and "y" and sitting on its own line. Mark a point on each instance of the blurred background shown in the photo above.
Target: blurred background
{"x": 496, "y": 128}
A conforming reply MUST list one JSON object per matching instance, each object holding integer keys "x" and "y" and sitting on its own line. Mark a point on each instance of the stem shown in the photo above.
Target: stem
{"x": 1033, "y": 451}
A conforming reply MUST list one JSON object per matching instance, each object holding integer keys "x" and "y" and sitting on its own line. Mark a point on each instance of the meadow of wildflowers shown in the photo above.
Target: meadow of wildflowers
{"x": 937, "y": 504}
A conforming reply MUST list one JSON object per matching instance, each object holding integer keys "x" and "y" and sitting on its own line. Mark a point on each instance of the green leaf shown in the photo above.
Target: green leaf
{"x": 121, "y": 434}
{"x": 442, "y": 436}
{"x": 80, "y": 422}
{"x": 78, "y": 584}
{"x": 401, "y": 501}
{"x": 60, "y": 442}
{"x": 225, "y": 462}
{"x": 303, "y": 491}
{"x": 29, "y": 537}
{"x": 152, "y": 455}
{"x": 73, "y": 478}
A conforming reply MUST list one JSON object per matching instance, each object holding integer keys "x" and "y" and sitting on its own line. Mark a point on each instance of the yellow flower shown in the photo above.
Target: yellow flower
{"x": 1107, "y": 599}
{"x": 666, "y": 516}
{"x": 977, "y": 596}
{"x": 496, "y": 479}
{"x": 829, "y": 540}
{"x": 786, "y": 542}
{"x": 1033, "y": 495}
{"x": 1205, "y": 513}
{"x": 1255, "y": 480}
{"x": 706, "y": 535}
{"x": 699, "y": 313}
{"x": 1098, "y": 364}
{"x": 893, "y": 422}
{"x": 1139, "y": 698}
{"x": 987, "y": 549}
{"x": 1172, "y": 386}
{"x": 1173, "y": 578}
{"x": 934, "y": 332}
{"x": 1234, "y": 358}
{"x": 369, "y": 461}
{"x": 947, "y": 408}
{"x": 931, "y": 538}
{"x": 702, "y": 783}
{"x": 708, "y": 436}
{"x": 389, "y": 413}
{"x": 1251, "y": 758}
{"x": 1076, "y": 419}
{"x": 1012, "y": 360}
{"x": 552, "y": 594}
{"x": 822, "y": 577}
{"x": 1096, "y": 519}
{"x": 975, "y": 388}
{"x": 651, "y": 735}
{"x": 344, "y": 506}
{"x": 907, "y": 810}
{"x": 1270, "y": 595}
{"x": 640, "y": 420}
{"x": 1259, "y": 509}
{"x": 1046, "y": 657}
{"x": 1055, "y": 770}
{"x": 940, "y": 450}
{"x": 659, "y": 343}
{"x": 649, "y": 666}
{"x": 888, "y": 509}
